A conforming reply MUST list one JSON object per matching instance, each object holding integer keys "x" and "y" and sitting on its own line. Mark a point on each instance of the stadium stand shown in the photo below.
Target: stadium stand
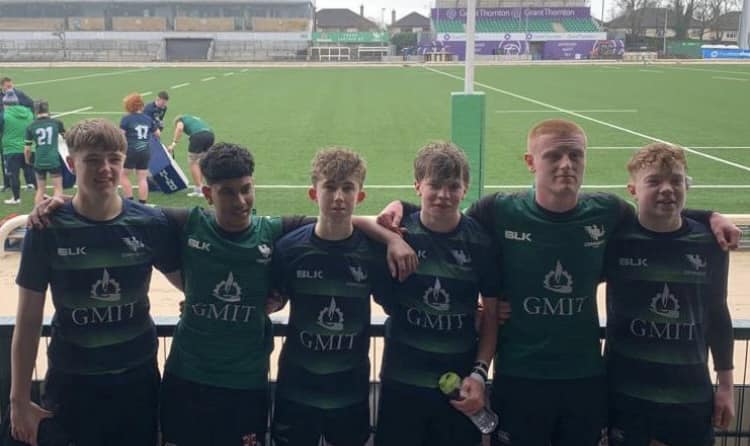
{"x": 139, "y": 24}
{"x": 86, "y": 24}
{"x": 579, "y": 25}
{"x": 207, "y": 24}
{"x": 29, "y": 24}
{"x": 263, "y": 24}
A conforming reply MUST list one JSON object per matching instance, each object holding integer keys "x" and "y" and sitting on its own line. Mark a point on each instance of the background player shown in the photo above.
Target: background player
{"x": 201, "y": 138}
{"x": 138, "y": 129}
{"x": 43, "y": 134}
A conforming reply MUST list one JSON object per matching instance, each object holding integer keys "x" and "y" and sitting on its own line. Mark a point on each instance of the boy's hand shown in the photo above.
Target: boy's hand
{"x": 402, "y": 260}
{"x": 727, "y": 234}
{"x": 473, "y": 393}
{"x": 274, "y": 302}
{"x": 390, "y": 217}
{"x": 24, "y": 421}
{"x": 723, "y": 407}
{"x": 503, "y": 311}
{"x": 39, "y": 216}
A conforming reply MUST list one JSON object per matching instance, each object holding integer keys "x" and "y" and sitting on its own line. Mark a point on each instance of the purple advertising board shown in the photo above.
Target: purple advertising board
{"x": 583, "y": 49}
{"x": 505, "y": 48}
{"x": 459, "y": 14}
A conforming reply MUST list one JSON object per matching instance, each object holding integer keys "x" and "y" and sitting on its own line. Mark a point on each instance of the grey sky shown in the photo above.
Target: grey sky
{"x": 374, "y": 8}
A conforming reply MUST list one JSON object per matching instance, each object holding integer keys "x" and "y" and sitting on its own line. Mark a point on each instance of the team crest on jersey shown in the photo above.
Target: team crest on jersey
{"x": 265, "y": 252}
{"x": 249, "y": 440}
{"x": 665, "y": 304}
{"x": 358, "y": 274}
{"x": 595, "y": 233}
{"x": 558, "y": 280}
{"x": 461, "y": 256}
{"x": 331, "y": 317}
{"x": 228, "y": 290}
{"x": 696, "y": 261}
{"x": 436, "y": 297}
{"x": 106, "y": 289}
{"x": 133, "y": 243}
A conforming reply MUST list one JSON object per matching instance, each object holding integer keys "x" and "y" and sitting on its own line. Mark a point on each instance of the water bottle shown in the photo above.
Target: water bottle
{"x": 485, "y": 420}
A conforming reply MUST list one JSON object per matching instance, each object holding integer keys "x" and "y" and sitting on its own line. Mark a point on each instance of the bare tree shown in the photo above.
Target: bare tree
{"x": 681, "y": 17}
{"x": 634, "y": 11}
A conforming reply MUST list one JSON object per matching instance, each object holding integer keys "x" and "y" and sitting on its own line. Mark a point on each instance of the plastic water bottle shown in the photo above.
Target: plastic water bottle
{"x": 485, "y": 420}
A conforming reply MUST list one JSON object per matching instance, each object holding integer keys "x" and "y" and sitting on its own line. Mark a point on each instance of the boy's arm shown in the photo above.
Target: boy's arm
{"x": 178, "y": 129}
{"x": 27, "y": 154}
{"x": 721, "y": 342}
{"x": 402, "y": 260}
{"x": 291, "y": 222}
{"x": 25, "y": 415}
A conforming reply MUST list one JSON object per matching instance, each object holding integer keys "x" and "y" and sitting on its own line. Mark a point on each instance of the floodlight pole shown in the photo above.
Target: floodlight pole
{"x": 666, "y": 18}
{"x": 743, "y": 37}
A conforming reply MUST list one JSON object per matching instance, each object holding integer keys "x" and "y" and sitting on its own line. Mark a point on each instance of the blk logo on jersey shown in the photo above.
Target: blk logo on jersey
{"x": 436, "y": 297}
{"x": 265, "y": 252}
{"x": 461, "y": 257}
{"x": 199, "y": 245}
{"x": 518, "y": 236}
{"x": 228, "y": 290}
{"x": 596, "y": 234}
{"x": 71, "y": 252}
{"x": 558, "y": 280}
{"x": 308, "y": 274}
{"x": 331, "y": 317}
{"x": 636, "y": 262}
{"x": 106, "y": 289}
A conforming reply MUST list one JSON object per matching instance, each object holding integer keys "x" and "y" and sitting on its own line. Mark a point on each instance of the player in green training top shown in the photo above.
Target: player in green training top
{"x": 552, "y": 241}
{"x": 432, "y": 324}
{"x": 215, "y": 388}
{"x": 666, "y": 307}
{"x": 201, "y": 138}
{"x": 43, "y": 133}
{"x": 328, "y": 270}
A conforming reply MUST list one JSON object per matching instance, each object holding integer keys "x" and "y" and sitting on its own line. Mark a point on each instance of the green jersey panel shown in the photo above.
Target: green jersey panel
{"x": 43, "y": 134}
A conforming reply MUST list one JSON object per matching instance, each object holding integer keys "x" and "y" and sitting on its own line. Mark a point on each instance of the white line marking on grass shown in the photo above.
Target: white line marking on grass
{"x": 599, "y": 110}
{"x": 102, "y": 113}
{"x": 231, "y": 73}
{"x": 244, "y": 70}
{"x": 651, "y": 71}
{"x": 499, "y": 186}
{"x": 175, "y": 87}
{"x": 589, "y": 118}
{"x": 146, "y": 93}
{"x": 85, "y": 76}
{"x": 746, "y": 73}
{"x": 72, "y": 112}
{"x": 729, "y": 78}
{"x": 206, "y": 79}
{"x": 611, "y": 67}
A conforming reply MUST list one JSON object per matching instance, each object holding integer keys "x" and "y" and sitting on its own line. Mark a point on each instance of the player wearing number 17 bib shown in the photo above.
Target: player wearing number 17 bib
{"x": 138, "y": 129}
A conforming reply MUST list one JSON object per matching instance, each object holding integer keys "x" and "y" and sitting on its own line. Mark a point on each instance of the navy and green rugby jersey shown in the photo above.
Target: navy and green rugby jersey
{"x": 431, "y": 328}
{"x": 324, "y": 362}
{"x": 43, "y": 133}
{"x": 99, "y": 275}
{"x": 156, "y": 113}
{"x": 224, "y": 337}
{"x": 138, "y": 129}
{"x": 193, "y": 124}
{"x": 666, "y": 305}
{"x": 550, "y": 264}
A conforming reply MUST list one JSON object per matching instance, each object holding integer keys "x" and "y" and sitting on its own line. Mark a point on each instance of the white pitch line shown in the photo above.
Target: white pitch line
{"x": 175, "y": 87}
{"x": 729, "y": 78}
{"x": 86, "y": 76}
{"x": 72, "y": 112}
{"x": 589, "y": 118}
{"x": 611, "y": 67}
{"x": 244, "y": 70}
{"x": 206, "y": 79}
{"x": 146, "y": 93}
{"x": 651, "y": 71}
{"x": 746, "y": 73}
{"x": 231, "y": 73}
{"x": 602, "y": 110}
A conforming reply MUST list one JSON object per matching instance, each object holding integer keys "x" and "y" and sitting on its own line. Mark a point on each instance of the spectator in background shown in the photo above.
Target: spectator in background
{"x": 14, "y": 95}
{"x": 14, "y": 120}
